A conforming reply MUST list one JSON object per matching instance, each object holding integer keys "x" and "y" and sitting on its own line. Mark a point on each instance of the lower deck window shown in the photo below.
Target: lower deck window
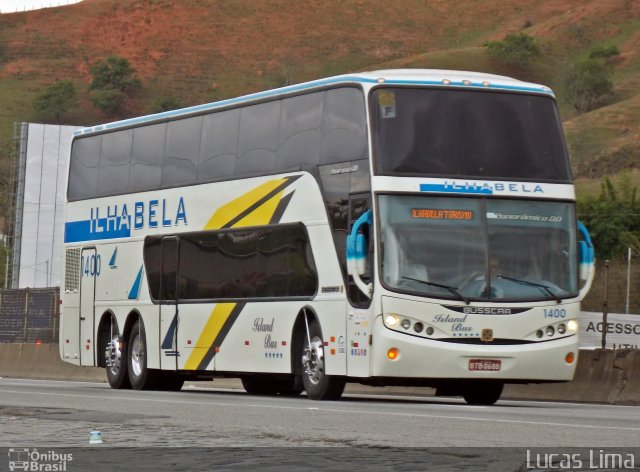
{"x": 265, "y": 262}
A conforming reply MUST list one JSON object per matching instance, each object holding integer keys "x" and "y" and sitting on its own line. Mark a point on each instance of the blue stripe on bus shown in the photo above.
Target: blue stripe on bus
{"x": 450, "y": 189}
{"x": 80, "y": 231}
{"x": 297, "y": 88}
{"x": 135, "y": 289}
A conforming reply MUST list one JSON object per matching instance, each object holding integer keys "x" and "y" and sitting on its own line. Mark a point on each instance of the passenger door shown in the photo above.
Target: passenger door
{"x": 89, "y": 268}
{"x": 359, "y": 318}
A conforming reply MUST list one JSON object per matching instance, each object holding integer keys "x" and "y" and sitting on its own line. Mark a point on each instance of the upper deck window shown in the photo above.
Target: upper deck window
{"x": 470, "y": 134}
{"x": 282, "y": 135}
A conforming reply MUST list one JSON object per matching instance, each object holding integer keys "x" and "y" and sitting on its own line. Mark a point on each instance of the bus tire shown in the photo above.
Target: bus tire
{"x": 483, "y": 393}
{"x": 259, "y": 385}
{"x": 317, "y": 384}
{"x": 116, "y": 361}
{"x": 291, "y": 385}
{"x": 167, "y": 381}
{"x": 140, "y": 377}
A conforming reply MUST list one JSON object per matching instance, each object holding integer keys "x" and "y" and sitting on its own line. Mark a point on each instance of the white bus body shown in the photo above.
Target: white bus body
{"x": 211, "y": 240}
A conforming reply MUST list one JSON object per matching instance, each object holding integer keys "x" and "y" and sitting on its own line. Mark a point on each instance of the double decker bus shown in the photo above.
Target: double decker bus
{"x": 396, "y": 227}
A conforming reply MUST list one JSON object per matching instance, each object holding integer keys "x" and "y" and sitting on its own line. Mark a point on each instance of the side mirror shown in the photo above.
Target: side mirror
{"x": 586, "y": 259}
{"x": 356, "y": 254}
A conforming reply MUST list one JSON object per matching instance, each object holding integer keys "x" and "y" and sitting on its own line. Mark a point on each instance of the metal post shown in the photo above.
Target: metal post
{"x": 628, "y": 278}
{"x": 26, "y": 315}
{"x": 47, "y": 278}
{"x": 605, "y": 307}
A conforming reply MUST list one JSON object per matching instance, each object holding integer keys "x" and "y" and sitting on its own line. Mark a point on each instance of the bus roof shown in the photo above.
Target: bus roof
{"x": 424, "y": 77}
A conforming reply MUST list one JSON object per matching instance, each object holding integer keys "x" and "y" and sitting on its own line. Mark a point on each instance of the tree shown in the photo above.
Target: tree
{"x": 587, "y": 83}
{"x": 612, "y": 218}
{"x": 604, "y": 52}
{"x": 56, "y": 99}
{"x": 108, "y": 100}
{"x": 161, "y": 104}
{"x": 519, "y": 49}
{"x": 113, "y": 80}
{"x": 115, "y": 73}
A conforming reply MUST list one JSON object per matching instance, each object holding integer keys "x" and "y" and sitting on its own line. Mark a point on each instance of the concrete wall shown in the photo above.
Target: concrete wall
{"x": 601, "y": 376}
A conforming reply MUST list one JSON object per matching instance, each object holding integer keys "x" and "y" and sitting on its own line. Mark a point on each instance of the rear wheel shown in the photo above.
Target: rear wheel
{"x": 116, "y": 362}
{"x": 317, "y": 384}
{"x": 139, "y": 376}
{"x": 483, "y": 393}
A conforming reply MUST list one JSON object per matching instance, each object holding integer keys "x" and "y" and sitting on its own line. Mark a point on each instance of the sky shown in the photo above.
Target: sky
{"x": 11, "y": 6}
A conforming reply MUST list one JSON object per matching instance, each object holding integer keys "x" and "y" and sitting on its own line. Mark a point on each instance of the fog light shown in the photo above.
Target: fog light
{"x": 569, "y": 358}
{"x": 406, "y": 324}
{"x": 429, "y": 331}
{"x": 550, "y": 331}
{"x": 539, "y": 333}
{"x": 572, "y": 326}
{"x": 418, "y": 327}
{"x": 562, "y": 329}
{"x": 393, "y": 354}
{"x": 391, "y": 320}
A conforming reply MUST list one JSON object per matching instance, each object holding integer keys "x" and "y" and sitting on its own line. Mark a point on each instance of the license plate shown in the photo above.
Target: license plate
{"x": 485, "y": 364}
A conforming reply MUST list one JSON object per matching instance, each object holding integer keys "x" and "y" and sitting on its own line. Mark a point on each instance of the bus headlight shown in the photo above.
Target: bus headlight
{"x": 572, "y": 326}
{"x": 406, "y": 324}
{"x": 391, "y": 321}
{"x": 562, "y": 328}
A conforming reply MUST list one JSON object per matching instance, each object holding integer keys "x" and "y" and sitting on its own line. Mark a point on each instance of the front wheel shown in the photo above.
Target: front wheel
{"x": 483, "y": 393}
{"x": 317, "y": 384}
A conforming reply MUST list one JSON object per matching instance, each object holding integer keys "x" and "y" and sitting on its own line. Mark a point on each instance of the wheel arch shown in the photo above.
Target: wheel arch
{"x": 132, "y": 317}
{"x": 298, "y": 334}
{"x": 104, "y": 331}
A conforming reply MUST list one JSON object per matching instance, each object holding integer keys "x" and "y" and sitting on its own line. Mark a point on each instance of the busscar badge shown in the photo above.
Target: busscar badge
{"x": 487, "y": 335}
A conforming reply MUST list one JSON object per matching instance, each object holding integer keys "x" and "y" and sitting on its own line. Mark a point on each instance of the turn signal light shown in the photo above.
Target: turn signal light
{"x": 569, "y": 358}
{"x": 393, "y": 353}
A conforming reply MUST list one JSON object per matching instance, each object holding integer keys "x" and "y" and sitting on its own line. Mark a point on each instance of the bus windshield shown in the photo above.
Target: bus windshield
{"x": 465, "y": 133}
{"x": 478, "y": 249}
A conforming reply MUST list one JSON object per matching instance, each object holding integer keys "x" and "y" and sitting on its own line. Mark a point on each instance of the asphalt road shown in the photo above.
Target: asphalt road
{"x": 53, "y": 413}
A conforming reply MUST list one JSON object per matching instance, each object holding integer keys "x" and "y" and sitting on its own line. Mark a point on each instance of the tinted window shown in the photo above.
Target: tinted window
{"x": 115, "y": 160}
{"x": 181, "y": 152}
{"x": 146, "y": 161}
{"x": 344, "y": 128}
{"x": 300, "y": 131}
{"x": 84, "y": 167}
{"x": 219, "y": 145}
{"x": 293, "y": 133}
{"x": 258, "y": 140}
{"x": 274, "y": 261}
{"x": 468, "y": 134}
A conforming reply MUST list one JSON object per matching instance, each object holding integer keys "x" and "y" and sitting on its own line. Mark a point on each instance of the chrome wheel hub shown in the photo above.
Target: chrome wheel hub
{"x": 313, "y": 360}
{"x": 137, "y": 356}
{"x": 113, "y": 354}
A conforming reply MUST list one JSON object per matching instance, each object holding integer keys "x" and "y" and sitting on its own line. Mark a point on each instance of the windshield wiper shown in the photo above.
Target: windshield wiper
{"x": 453, "y": 290}
{"x": 533, "y": 284}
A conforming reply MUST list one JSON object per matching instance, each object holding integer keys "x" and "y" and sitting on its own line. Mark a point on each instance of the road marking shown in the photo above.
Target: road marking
{"x": 117, "y": 397}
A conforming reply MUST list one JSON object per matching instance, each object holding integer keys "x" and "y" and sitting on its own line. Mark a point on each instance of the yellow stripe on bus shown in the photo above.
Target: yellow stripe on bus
{"x": 216, "y": 321}
{"x": 261, "y": 215}
{"x": 231, "y": 210}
